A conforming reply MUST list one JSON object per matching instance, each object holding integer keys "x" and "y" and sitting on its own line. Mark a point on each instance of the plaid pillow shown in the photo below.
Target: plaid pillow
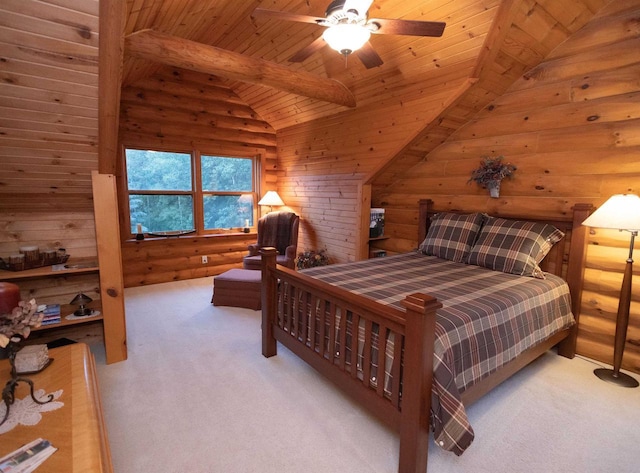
{"x": 514, "y": 246}
{"x": 451, "y": 235}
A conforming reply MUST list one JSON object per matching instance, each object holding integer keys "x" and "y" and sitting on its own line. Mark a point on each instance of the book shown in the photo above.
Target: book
{"x": 28, "y": 457}
{"x": 52, "y": 309}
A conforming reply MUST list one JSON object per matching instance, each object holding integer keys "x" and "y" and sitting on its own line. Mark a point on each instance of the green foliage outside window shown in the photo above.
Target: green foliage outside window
{"x": 162, "y": 194}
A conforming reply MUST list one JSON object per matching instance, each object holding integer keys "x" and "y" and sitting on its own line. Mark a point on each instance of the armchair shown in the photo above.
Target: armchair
{"x": 279, "y": 230}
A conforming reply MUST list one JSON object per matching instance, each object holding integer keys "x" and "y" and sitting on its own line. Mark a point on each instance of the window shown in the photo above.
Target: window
{"x": 172, "y": 191}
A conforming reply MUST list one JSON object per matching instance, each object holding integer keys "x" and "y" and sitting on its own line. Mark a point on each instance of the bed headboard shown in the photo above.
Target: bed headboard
{"x": 567, "y": 257}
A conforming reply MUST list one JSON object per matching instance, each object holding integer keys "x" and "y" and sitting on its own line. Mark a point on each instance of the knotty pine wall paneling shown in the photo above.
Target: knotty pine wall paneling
{"x": 183, "y": 110}
{"x": 572, "y": 127}
{"x": 74, "y": 231}
{"x": 323, "y": 164}
{"x": 48, "y": 98}
{"x": 48, "y": 136}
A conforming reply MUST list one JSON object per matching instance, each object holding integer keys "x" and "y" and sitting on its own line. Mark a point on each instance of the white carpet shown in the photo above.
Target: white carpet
{"x": 196, "y": 395}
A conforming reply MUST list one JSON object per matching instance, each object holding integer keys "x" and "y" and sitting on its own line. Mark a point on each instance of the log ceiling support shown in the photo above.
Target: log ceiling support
{"x": 186, "y": 54}
{"x": 111, "y": 46}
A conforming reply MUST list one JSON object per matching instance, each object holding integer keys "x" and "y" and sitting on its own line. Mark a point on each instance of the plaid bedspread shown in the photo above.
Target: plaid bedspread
{"x": 487, "y": 319}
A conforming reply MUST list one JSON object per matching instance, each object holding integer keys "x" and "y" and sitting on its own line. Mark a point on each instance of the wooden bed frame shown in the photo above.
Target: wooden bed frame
{"x": 410, "y": 414}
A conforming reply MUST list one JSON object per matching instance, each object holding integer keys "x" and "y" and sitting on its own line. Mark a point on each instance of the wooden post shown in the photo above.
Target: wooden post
{"x": 425, "y": 207}
{"x": 105, "y": 203}
{"x": 364, "y": 202}
{"x": 111, "y": 43}
{"x": 269, "y": 301}
{"x": 575, "y": 274}
{"x": 417, "y": 381}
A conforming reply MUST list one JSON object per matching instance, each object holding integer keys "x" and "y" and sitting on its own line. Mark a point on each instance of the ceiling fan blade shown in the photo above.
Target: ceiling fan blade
{"x": 307, "y": 51}
{"x": 361, "y": 6}
{"x": 281, "y": 15}
{"x": 368, "y": 56}
{"x": 407, "y": 27}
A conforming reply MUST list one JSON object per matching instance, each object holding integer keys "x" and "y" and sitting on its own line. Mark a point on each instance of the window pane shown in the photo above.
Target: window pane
{"x": 161, "y": 213}
{"x": 158, "y": 170}
{"x": 227, "y": 174}
{"x": 227, "y": 211}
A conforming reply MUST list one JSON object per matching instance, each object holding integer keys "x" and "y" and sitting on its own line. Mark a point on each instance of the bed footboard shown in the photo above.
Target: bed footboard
{"x": 380, "y": 356}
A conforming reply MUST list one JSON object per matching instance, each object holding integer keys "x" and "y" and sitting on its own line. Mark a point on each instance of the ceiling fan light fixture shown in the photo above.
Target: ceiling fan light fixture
{"x": 347, "y": 37}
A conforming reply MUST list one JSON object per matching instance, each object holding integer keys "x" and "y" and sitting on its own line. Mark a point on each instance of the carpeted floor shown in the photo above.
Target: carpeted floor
{"x": 197, "y": 396}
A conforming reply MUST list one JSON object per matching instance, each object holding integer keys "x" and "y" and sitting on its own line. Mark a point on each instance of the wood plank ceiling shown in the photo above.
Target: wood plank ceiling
{"x": 48, "y": 98}
{"x": 408, "y": 61}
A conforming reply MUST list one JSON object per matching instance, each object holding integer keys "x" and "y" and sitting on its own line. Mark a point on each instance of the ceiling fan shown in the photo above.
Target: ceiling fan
{"x": 348, "y": 29}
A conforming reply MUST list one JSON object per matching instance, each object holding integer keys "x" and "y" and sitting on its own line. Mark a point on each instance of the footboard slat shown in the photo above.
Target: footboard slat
{"x": 304, "y": 316}
{"x": 314, "y": 309}
{"x": 332, "y": 331}
{"x": 366, "y": 352}
{"x": 294, "y": 311}
{"x": 382, "y": 350}
{"x": 355, "y": 326}
{"x": 395, "y": 375}
{"x": 341, "y": 352}
{"x": 322, "y": 321}
{"x": 286, "y": 310}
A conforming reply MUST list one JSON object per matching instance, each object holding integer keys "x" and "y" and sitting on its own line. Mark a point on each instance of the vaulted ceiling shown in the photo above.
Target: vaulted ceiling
{"x": 486, "y": 46}
{"x": 49, "y": 52}
{"x": 409, "y": 62}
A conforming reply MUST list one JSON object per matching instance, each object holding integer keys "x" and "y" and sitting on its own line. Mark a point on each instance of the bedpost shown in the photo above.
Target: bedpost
{"x": 417, "y": 380}
{"x": 424, "y": 209}
{"x": 269, "y": 301}
{"x": 575, "y": 274}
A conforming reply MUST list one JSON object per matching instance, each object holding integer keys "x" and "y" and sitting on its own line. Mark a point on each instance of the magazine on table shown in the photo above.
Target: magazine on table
{"x": 28, "y": 457}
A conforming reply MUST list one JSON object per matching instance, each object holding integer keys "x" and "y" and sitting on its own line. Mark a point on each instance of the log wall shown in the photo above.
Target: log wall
{"x": 179, "y": 110}
{"x": 571, "y": 126}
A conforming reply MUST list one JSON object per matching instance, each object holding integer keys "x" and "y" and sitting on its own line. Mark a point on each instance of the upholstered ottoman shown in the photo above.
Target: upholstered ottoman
{"x": 238, "y": 288}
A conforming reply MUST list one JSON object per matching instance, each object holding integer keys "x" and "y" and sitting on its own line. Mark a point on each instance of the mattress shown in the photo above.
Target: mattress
{"x": 488, "y": 318}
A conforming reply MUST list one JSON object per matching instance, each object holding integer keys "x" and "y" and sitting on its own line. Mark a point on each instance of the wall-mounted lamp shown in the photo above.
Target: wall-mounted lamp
{"x": 620, "y": 212}
{"x": 271, "y": 198}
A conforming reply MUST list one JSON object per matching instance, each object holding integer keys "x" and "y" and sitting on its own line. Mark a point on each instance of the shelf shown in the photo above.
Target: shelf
{"x": 75, "y": 267}
{"x": 66, "y": 309}
{"x": 379, "y": 238}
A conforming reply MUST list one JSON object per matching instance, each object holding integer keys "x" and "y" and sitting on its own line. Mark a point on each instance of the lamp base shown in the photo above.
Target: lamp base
{"x": 621, "y": 379}
{"x": 83, "y": 312}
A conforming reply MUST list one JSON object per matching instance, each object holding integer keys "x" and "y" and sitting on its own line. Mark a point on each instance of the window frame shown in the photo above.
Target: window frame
{"x": 197, "y": 193}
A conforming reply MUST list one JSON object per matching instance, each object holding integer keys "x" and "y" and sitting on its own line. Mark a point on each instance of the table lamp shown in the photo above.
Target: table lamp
{"x": 620, "y": 212}
{"x": 81, "y": 300}
{"x": 271, "y": 198}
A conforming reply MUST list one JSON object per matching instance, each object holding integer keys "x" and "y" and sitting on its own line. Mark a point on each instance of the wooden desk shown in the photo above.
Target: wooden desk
{"x": 76, "y": 429}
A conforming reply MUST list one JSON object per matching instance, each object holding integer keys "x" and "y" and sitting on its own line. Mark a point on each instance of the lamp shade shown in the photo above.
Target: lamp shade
{"x": 346, "y": 37}
{"x": 620, "y": 212}
{"x": 271, "y": 198}
{"x": 81, "y": 300}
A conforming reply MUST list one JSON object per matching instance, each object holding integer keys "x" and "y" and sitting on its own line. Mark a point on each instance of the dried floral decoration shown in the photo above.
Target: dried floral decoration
{"x": 491, "y": 172}
{"x": 17, "y": 324}
{"x": 311, "y": 259}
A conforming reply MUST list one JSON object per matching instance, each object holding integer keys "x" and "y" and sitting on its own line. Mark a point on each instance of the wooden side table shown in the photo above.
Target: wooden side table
{"x": 77, "y": 429}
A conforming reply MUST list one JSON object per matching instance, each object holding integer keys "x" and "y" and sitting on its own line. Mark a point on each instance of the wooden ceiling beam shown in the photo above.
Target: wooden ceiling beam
{"x": 112, "y": 22}
{"x": 186, "y": 54}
